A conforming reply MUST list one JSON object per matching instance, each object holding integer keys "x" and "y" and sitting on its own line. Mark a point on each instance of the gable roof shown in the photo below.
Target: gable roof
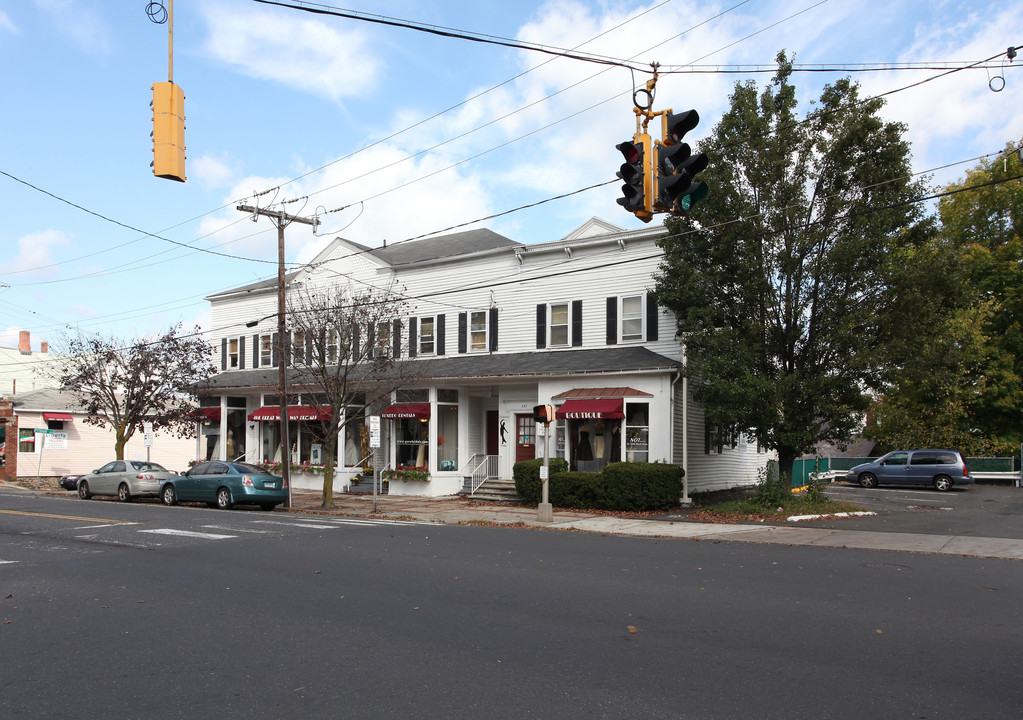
{"x": 443, "y": 246}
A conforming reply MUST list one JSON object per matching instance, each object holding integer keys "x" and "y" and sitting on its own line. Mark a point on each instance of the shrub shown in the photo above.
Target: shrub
{"x": 527, "y": 477}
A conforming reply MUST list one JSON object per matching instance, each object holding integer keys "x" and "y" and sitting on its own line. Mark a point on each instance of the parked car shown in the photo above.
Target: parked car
{"x": 70, "y": 482}
{"x": 941, "y": 468}
{"x": 225, "y": 484}
{"x": 127, "y": 479}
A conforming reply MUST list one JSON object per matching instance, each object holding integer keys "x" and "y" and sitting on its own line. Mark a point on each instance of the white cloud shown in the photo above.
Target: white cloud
{"x": 293, "y": 50}
{"x": 210, "y": 172}
{"x": 10, "y": 336}
{"x": 36, "y": 252}
{"x": 88, "y": 31}
{"x": 7, "y": 25}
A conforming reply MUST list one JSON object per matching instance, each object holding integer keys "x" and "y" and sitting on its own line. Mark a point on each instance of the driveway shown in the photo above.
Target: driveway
{"x": 973, "y": 511}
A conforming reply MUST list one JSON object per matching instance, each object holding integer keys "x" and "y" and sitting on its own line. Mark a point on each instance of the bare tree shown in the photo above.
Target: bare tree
{"x": 126, "y": 383}
{"x": 345, "y": 352}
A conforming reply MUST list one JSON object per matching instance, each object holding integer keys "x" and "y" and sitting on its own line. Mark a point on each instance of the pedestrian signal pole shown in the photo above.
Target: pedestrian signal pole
{"x": 545, "y": 511}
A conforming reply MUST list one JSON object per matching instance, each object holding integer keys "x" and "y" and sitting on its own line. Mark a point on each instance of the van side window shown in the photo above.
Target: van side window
{"x": 925, "y": 459}
{"x": 897, "y": 459}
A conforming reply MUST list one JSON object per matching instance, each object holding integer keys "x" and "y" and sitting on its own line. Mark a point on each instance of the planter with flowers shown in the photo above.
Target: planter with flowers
{"x": 407, "y": 473}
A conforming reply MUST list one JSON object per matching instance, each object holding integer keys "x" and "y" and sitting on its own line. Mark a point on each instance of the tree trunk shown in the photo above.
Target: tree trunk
{"x": 119, "y": 442}
{"x": 786, "y": 458}
{"x": 328, "y": 475}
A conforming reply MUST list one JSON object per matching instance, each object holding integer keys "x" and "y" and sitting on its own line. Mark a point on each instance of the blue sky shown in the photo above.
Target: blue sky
{"x": 332, "y": 110}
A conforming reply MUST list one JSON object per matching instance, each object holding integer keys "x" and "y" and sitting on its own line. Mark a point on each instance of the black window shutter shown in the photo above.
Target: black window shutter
{"x": 651, "y": 316}
{"x": 371, "y": 340}
{"x": 612, "y": 321}
{"x": 255, "y": 351}
{"x": 275, "y": 346}
{"x": 356, "y": 348}
{"x": 577, "y": 323}
{"x": 223, "y": 353}
{"x": 308, "y": 349}
{"x": 396, "y": 338}
{"x": 438, "y": 330}
{"x": 541, "y": 327}
{"x": 241, "y": 353}
{"x": 287, "y": 350}
{"x": 413, "y": 337}
{"x": 493, "y": 329}
{"x": 463, "y": 332}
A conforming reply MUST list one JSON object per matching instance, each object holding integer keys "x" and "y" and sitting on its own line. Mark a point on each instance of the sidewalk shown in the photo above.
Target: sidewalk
{"x": 458, "y": 510}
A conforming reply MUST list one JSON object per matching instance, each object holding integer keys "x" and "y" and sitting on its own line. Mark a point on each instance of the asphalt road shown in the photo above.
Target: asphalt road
{"x": 143, "y": 611}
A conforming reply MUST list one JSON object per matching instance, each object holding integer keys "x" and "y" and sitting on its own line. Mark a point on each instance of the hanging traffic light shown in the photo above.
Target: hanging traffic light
{"x": 637, "y": 195}
{"x": 677, "y": 189}
{"x": 168, "y": 131}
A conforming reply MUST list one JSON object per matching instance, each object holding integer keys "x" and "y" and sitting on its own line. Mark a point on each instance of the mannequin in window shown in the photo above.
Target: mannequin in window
{"x": 598, "y": 439}
{"x": 585, "y": 451}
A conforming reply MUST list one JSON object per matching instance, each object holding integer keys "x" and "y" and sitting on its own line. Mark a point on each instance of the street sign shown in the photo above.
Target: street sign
{"x": 147, "y": 434}
{"x": 374, "y": 431}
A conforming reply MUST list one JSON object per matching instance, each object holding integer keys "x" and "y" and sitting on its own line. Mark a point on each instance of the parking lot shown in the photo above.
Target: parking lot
{"x": 975, "y": 510}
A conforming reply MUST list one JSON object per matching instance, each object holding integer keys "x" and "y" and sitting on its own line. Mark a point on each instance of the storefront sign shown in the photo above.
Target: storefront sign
{"x": 55, "y": 440}
{"x": 374, "y": 431}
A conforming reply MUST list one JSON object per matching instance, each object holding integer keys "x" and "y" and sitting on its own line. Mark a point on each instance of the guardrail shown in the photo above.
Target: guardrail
{"x": 988, "y": 468}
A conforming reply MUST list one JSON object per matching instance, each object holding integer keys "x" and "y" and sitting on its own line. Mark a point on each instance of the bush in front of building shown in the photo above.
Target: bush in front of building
{"x": 527, "y": 477}
{"x": 625, "y": 486}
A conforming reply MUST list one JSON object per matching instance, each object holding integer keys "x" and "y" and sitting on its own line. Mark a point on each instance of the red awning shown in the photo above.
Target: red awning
{"x": 580, "y": 409}
{"x": 206, "y": 414}
{"x": 418, "y": 411}
{"x": 58, "y": 416}
{"x": 295, "y": 412}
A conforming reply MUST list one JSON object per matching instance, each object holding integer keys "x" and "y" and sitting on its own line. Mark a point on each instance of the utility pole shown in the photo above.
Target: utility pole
{"x": 282, "y": 219}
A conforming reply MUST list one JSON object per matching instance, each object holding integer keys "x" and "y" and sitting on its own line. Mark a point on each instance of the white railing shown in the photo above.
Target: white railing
{"x": 480, "y": 468}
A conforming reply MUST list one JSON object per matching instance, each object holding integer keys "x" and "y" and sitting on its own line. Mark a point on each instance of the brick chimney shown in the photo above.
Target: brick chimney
{"x": 25, "y": 342}
{"x": 44, "y": 347}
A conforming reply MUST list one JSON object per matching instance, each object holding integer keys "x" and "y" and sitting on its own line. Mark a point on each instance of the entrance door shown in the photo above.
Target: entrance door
{"x": 493, "y": 441}
{"x": 525, "y": 438}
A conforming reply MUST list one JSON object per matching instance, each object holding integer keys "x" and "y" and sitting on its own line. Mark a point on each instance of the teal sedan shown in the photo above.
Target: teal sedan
{"x": 223, "y": 485}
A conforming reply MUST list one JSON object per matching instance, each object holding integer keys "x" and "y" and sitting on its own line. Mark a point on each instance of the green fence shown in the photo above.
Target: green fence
{"x": 801, "y": 469}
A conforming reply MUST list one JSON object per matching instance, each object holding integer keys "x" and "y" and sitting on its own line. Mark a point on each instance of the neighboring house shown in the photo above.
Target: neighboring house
{"x": 21, "y": 369}
{"x": 496, "y": 327}
{"x": 47, "y": 436}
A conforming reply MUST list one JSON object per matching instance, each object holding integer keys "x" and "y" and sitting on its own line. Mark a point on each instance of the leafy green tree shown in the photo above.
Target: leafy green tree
{"x": 123, "y": 384}
{"x": 796, "y": 277}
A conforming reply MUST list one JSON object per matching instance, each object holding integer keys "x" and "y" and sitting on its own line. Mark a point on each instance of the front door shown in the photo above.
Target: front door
{"x": 493, "y": 438}
{"x": 525, "y": 438}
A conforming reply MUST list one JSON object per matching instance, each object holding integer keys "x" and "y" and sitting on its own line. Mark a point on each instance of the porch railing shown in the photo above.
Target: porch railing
{"x": 479, "y": 469}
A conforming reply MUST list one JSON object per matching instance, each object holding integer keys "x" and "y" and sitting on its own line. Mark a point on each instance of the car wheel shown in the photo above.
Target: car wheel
{"x": 868, "y": 480}
{"x": 942, "y": 483}
{"x": 83, "y": 490}
{"x": 169, "y": 496}
{"x": 123, "y": 493}
{"x": 267, "y": 506}
{"x": 224, "y": 498}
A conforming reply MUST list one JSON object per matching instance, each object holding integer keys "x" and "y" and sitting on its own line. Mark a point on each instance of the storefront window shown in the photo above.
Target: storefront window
{"x": 26, "y": 440}
{"x": 412, "y": 437}
{"x": 356, "y": 434}
{"x": 235, "y": 428}
{"x": 637, "y": 432}
{"x": 447, "y": 430}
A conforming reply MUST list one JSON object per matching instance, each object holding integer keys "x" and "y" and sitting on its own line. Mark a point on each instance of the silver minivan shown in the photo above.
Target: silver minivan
{"x": 941, "y": 468}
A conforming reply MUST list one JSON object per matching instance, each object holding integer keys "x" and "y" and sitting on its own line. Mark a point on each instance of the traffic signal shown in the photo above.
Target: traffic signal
{"x": 168, "y": 131}
{"x": 677, "y": 189}
{"x": 543, "y": 413}
{"x": 637, "y": 196}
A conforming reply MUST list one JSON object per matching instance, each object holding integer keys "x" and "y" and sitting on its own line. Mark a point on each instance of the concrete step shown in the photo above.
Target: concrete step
{"x": 495, "y": 490}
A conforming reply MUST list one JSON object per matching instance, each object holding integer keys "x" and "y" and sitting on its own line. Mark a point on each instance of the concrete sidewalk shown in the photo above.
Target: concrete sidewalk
{"x": 459, "y": 510}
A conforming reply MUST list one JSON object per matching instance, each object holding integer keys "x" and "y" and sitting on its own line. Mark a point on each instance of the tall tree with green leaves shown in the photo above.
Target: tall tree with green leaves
{"x": 961, "y": 384}
{"x": 790, "y": 279}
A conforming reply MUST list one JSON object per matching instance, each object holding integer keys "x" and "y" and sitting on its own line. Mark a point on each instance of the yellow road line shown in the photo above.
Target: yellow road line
{"x": 66, "y": 517}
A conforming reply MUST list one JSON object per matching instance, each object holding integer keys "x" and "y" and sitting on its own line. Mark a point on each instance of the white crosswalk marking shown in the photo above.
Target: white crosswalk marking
{"x": 188, "y": 533}
{"x": 7, "y": 562}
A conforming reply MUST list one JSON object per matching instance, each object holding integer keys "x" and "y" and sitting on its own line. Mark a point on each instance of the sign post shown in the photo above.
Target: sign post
{"x": 374, "y": 443}
{"x": 40, "y": 442}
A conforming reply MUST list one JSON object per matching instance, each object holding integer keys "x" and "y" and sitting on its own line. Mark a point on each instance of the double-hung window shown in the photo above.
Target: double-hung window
{"x": 478, "y": 331}
{"x": 266, "y": 350}
{"x": 382, "y": 341}
{"x": 427, "y": 335}
{"x": 233, "y": 354}
{"x": 559, "y": 325}
{"x": 632, "y": 318}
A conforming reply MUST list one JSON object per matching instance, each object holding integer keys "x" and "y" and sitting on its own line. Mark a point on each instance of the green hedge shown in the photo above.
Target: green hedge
{"x": 630, "y": 487}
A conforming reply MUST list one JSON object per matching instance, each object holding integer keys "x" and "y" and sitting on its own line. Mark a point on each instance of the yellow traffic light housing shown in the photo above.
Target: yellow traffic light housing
{"x": 168, "y": 131}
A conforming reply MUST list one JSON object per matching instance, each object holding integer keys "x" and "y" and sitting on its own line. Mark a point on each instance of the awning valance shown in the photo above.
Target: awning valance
{"x": 581, "y": 409}
{"x": 66, "y": 417}
{"x": 418, "y": 411}
{"x": 295, "y": 412}
{"x": 206, "y": 414}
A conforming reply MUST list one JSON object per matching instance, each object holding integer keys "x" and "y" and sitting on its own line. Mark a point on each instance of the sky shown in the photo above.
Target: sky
{"x": 386, "y": 133}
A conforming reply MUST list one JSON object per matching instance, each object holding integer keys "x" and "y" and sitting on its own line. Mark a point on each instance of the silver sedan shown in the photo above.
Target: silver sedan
{"x": 126, "y": 479}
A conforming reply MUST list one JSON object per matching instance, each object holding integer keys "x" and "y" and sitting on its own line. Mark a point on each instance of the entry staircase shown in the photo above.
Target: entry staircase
{"x": 480, "y": 481}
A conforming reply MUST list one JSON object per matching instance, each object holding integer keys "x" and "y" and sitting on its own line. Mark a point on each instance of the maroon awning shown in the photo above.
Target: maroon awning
{"x": 418, "y": 411}
{"x": 295, "y": 412}
{"x": 57, "y": 416}
{"x": 581, "y": 409}
{"x": 206, "y": 414}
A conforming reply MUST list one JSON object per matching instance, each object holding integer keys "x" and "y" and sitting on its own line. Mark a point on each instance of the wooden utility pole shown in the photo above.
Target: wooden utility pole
{"x": 282, "y": 219}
